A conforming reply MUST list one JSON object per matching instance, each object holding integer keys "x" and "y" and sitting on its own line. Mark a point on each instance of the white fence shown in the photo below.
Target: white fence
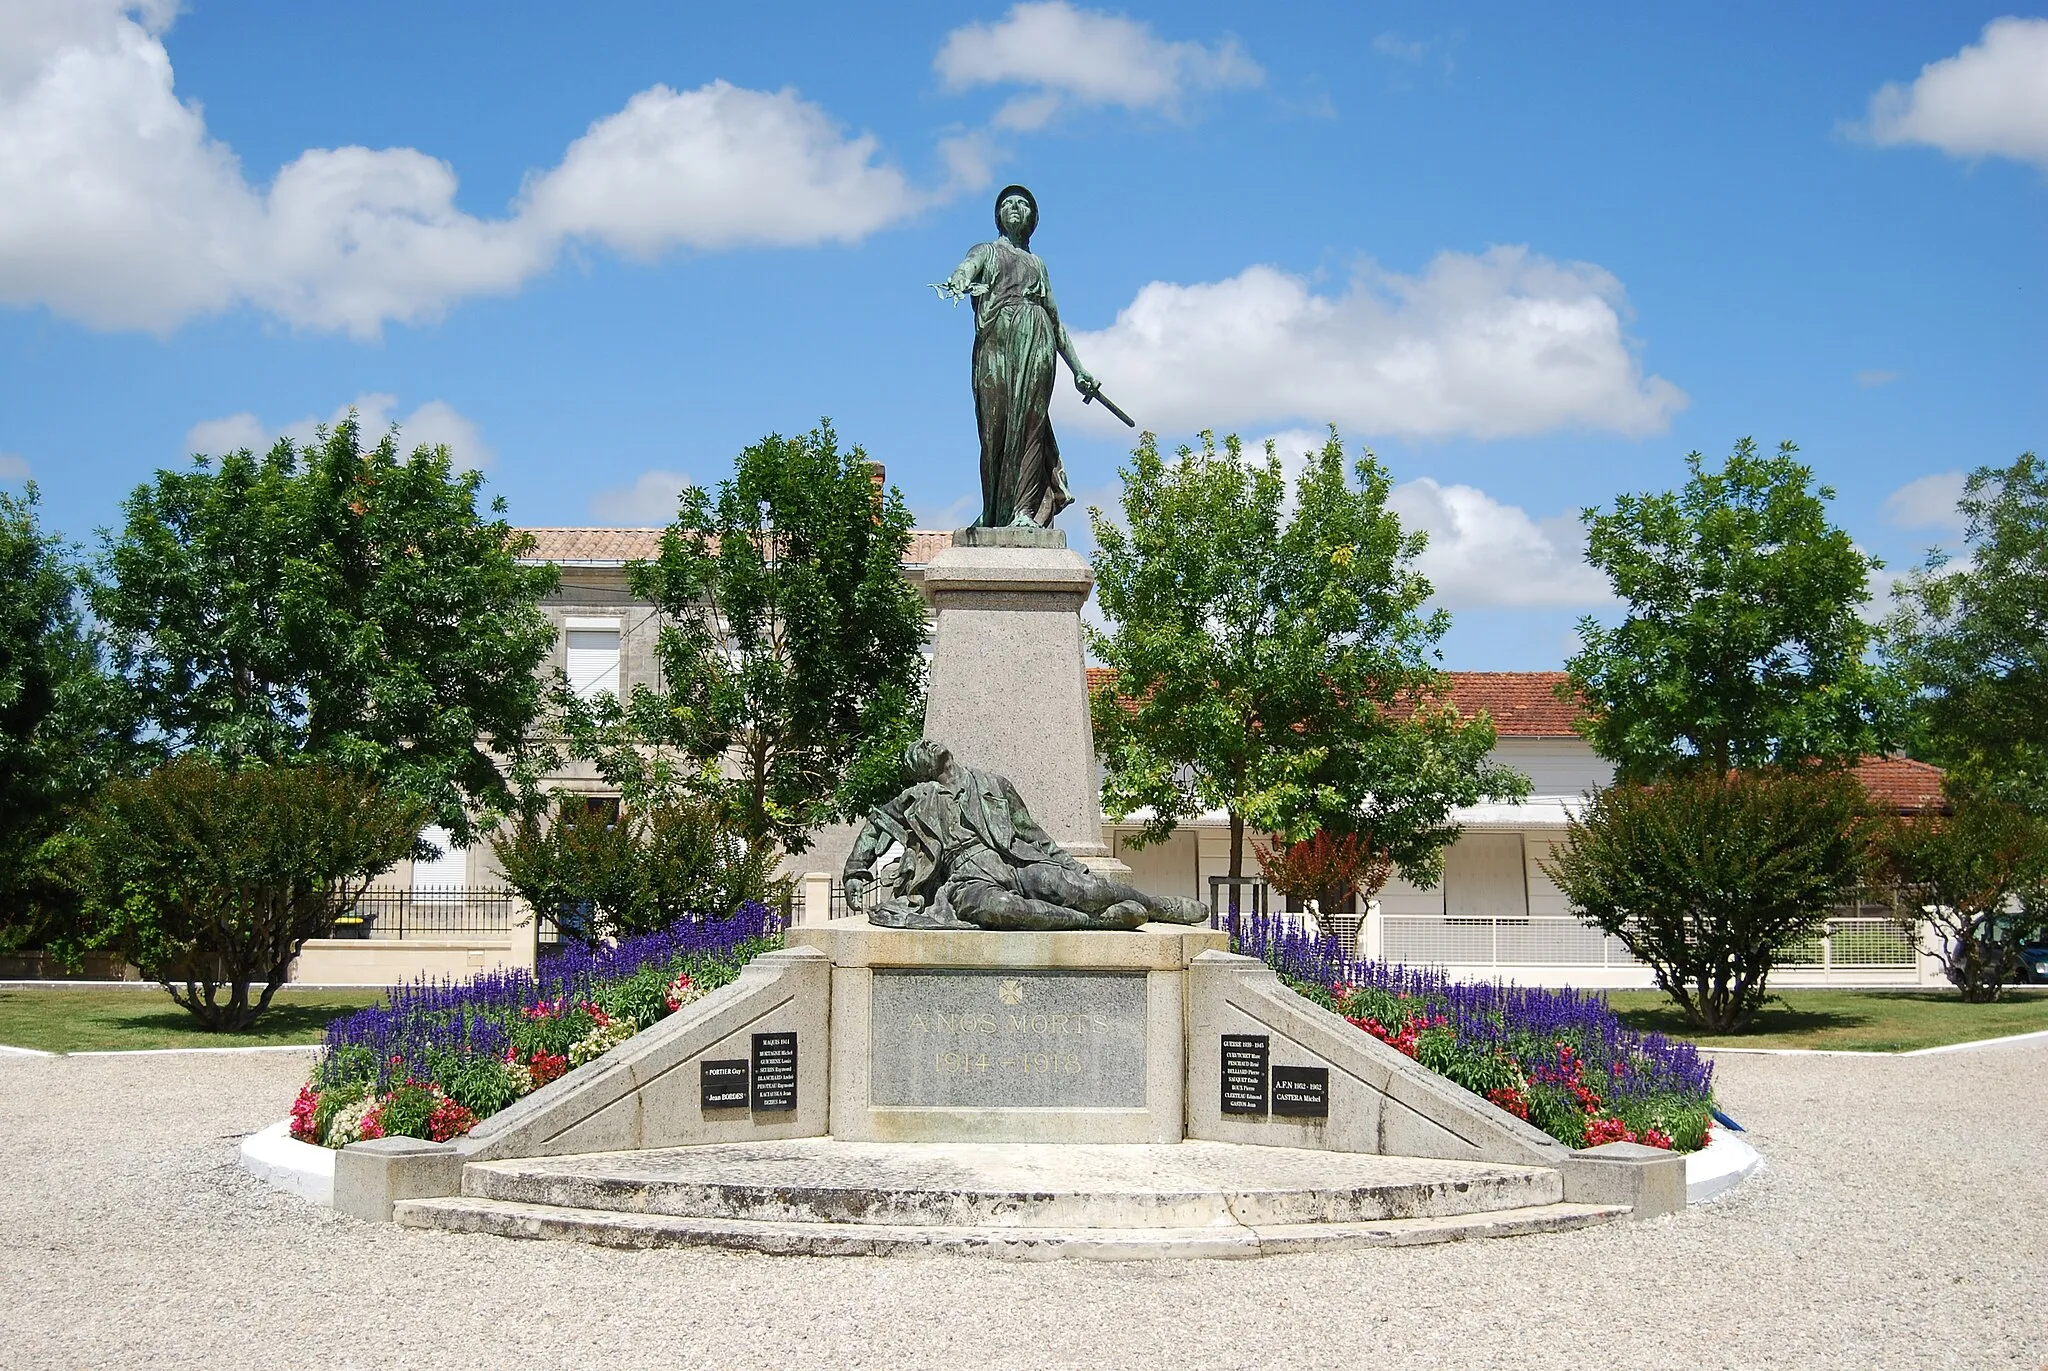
{"x": 1851, "y": 947}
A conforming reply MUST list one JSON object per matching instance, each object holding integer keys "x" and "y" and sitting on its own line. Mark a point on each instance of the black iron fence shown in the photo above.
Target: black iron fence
{"x": 426, "y": 914}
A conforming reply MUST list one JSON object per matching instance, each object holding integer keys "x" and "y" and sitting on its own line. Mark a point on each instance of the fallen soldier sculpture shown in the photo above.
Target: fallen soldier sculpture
{"x": 959, "y": 850}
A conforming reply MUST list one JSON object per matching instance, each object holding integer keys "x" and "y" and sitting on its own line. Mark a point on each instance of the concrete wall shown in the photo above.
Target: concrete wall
{"x": 387, "y": 961}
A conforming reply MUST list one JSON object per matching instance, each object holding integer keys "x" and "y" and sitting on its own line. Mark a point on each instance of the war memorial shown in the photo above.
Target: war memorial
{"x": 1010, "y": 1050}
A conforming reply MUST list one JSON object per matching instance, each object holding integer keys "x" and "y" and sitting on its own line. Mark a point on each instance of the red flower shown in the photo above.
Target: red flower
{"x": 302, "y": 1115}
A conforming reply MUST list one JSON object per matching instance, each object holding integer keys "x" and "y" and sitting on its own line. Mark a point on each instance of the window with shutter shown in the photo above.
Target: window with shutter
{"x": 592, "y": 660}
{"x": 446, "y": 873}
{"x": 1485, "y": 878}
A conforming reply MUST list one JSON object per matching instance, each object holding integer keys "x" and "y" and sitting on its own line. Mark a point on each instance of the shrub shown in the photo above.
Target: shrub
{"x": 211, "y": 880}
{"x": 440, "y": 1056}
{"x": 1558, "y": 1058}
{"x": 634, "y": 868}
{"x": 1965, "y": 870}
{"x": 1708, "y": 878}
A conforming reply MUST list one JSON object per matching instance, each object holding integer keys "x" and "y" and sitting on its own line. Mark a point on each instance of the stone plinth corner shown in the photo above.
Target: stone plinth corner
{"x": 370, "y": 1177}
{"x": 1649, "y": 1180}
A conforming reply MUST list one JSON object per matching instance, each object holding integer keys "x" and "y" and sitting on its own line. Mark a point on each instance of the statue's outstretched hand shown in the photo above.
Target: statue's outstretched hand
{"x": 1086, "y": 383}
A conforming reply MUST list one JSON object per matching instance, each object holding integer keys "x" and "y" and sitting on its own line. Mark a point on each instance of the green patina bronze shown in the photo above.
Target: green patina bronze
{"x": 959, "y": 850}
{"x": 1017, "y": 339}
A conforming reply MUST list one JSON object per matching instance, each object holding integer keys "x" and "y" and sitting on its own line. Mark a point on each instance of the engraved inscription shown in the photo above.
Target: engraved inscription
{"x": 723, "y": 1085}
{"x": 1005, "y": 1039}
{"x": 1244, "y": 1072}
{"x": 774, "y": 1073}
{"x": 1301, "y": 1092}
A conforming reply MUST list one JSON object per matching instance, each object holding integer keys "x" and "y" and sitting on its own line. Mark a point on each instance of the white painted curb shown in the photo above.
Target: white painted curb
{"x": 1724, "y": 1163}
{"x": 274, "y": 1155}
{"x": 6, "y": 1051}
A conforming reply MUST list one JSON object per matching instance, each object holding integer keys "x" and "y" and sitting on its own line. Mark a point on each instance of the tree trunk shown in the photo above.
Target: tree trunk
{"x": 1236, "y": 855}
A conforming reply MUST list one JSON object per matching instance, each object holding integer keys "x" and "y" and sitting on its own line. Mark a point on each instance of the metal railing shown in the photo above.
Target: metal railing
{"x": 427, "y": 913}
{"x": 1859, "y": 943}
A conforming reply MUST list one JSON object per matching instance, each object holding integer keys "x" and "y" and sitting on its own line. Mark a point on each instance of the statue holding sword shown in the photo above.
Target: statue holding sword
{"x": 1018, "y": 338}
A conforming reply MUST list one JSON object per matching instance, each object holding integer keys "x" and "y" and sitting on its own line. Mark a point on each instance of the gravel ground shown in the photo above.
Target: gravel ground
{"x": 1902, "y": 1222}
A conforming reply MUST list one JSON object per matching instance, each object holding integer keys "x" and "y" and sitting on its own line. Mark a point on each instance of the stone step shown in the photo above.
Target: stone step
{"x": 612, "y": 1228}
{"x": 1190, "y": 1185}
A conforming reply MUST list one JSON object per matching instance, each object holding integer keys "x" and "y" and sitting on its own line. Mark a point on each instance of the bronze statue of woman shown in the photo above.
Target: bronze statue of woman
{"x": 1017, "y": 335}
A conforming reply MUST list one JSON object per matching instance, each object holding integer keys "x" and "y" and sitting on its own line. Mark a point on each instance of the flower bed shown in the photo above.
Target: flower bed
{"x": 440, "y": 1056}
{"x": 1558, "y": 1058}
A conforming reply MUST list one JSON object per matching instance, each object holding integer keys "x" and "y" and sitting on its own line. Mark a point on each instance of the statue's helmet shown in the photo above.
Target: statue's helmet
{"x": 1031, "y": 225}
{"x": 926, "y": 760}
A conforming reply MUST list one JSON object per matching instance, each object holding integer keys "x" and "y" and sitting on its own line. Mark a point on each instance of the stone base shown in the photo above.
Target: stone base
{"x": 1007, "y": 1037}
{"x": 1008, "y": 691}
{"x": 975, "y": 535}
{"x": 826, "y": 1197}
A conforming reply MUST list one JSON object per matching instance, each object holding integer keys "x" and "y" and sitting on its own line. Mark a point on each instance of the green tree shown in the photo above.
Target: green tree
{"x": 212, "y": 880}
{"x": 1971, "y": 639}
{"x": 1707, "y": 876}
{"x": 1742, "y": 645}
{"x": 791, "y": 651}
{"x": 1277, "y": 665}
{"x": 332, "y": 602}
{"x": 609, "y": 870}
{"x": 62, "y": 723}
{"x": 1976, "y": 875}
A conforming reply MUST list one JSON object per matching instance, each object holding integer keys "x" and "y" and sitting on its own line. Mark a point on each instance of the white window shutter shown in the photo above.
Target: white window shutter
{"x": 593, "y": 660}
{"x": 449, "y": 871}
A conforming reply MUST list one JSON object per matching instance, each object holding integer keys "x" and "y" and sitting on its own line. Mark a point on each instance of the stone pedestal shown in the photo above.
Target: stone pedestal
{"x": 1009, "y": 689}
{"x": 944, "y": 1036}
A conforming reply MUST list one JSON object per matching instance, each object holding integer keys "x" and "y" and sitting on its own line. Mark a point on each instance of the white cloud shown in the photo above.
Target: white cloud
{"x": 958, "y": 514}
{"x": 1087, "y": 57}
{"x": 1484, "y": 553}
{"x": 117, "y": 209}
{"x": 230, "y": 433}
{"x": 433, "y": 424}
{"x": 648, "y": 502}
{"x": 1493, "y": 345}
{"x": 1929, "y": 502}
{"x": 1392, "y": 44}
{"x": 1989, "y": 100}
{"x": 13, "y": 467}
{"x": 718, "y": 167}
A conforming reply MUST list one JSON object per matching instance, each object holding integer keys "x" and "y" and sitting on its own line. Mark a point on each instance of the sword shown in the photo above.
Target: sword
{"x": 1109, "y": 405}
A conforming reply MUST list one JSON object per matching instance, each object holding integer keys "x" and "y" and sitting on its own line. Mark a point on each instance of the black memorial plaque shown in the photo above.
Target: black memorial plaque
{"x": 1301, "y": 1092}
{"x": 774, "y": 1073}
{"x": 1244, "y": 1072}
{"x": 723, "y": 1084}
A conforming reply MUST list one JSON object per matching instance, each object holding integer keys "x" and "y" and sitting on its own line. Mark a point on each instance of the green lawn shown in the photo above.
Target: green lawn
{"x": 58, "y": 1020}
{"x": 1852, "y": 1020}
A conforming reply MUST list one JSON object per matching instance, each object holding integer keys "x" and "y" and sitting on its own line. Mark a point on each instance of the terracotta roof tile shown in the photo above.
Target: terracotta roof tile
{"x": 603, "y": 545}
{"x": 617, "y": 546}
{"x": 1902, "y": 785}
{"x": 1522, "y": 704}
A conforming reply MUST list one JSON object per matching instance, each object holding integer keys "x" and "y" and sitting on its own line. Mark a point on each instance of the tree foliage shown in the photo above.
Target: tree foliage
{"x": 791, "y": 652}
{"x": 1707, "y": 877}
{"x": 1971, "y": 639}
{"x": 1277, "y": 664}
{"x": 211, "y": 880}
{"x": 610, "y": 871}
{"x": 1324, "y": 868}
{"x": 63, "y": 722}
{"x": 1742, "y": 645}
{"x": 1977, "y": 875}
{"x": 333, "y": 602}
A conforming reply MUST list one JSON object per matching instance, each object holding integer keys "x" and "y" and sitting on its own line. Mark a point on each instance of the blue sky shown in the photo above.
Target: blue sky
{"x": 1532, "y": 258}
